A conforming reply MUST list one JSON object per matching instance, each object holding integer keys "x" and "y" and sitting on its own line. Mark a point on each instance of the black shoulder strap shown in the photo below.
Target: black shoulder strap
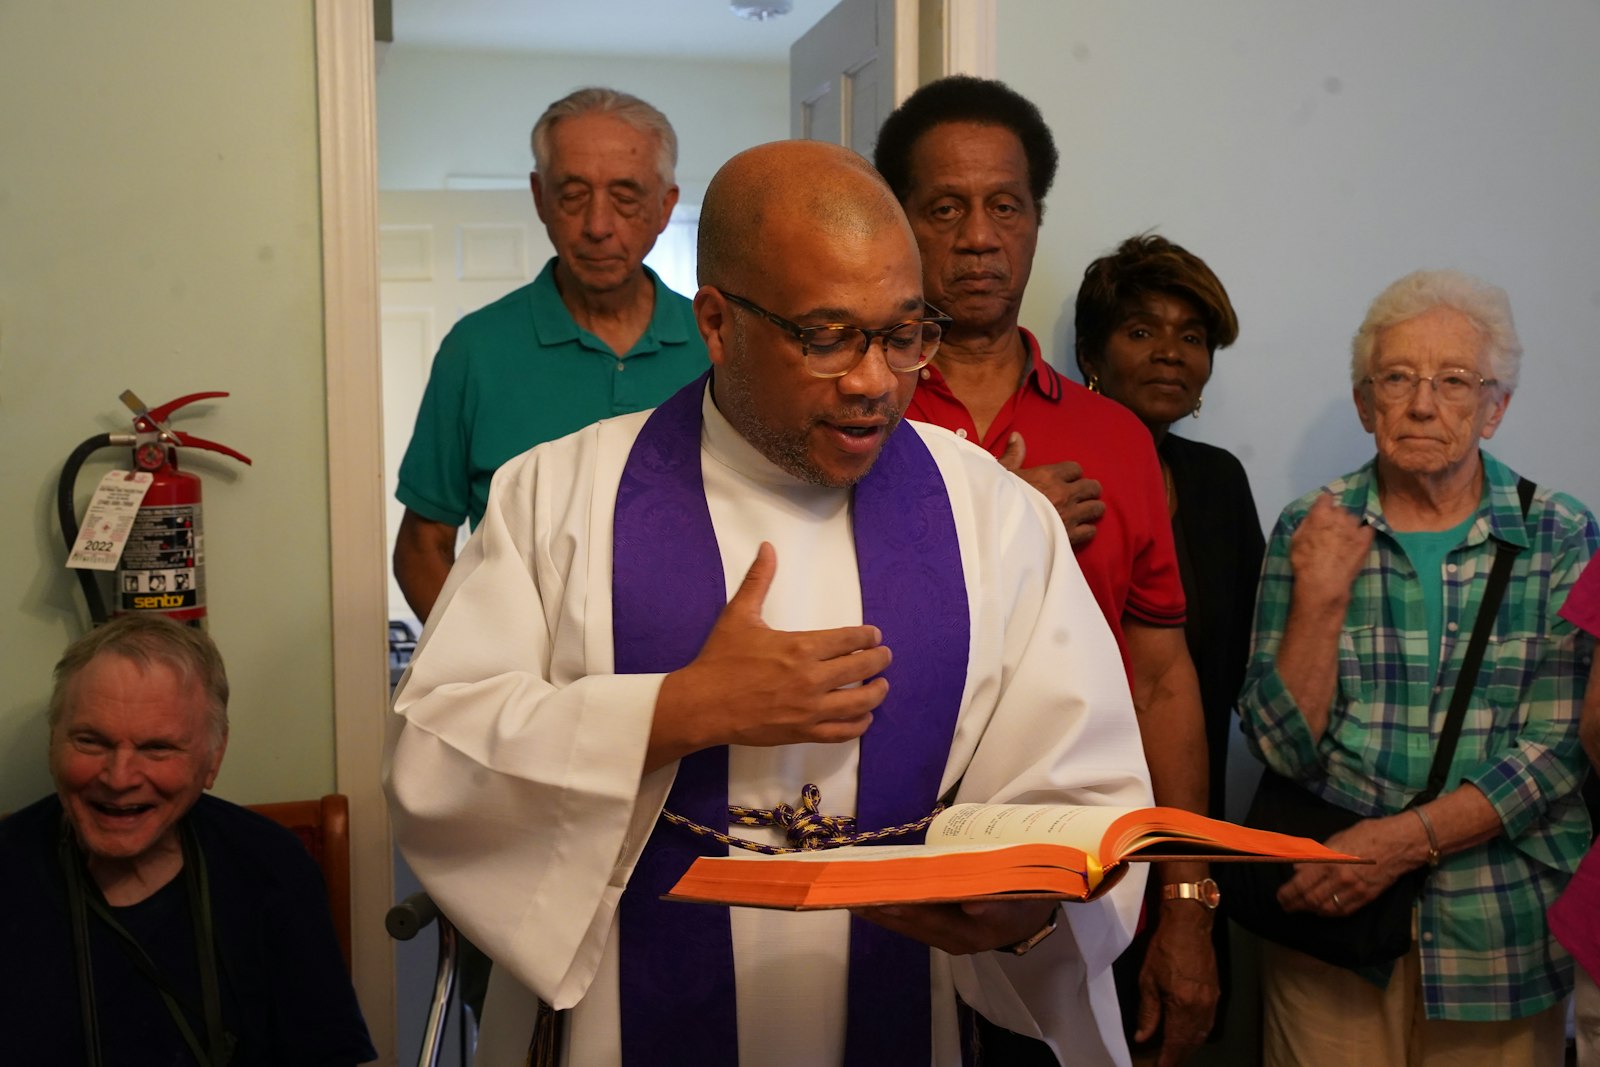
{"x": 1504, "y": 556}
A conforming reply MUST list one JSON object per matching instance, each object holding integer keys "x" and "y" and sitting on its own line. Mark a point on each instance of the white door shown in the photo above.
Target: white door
{"x": 440, "y": 255}
{"x": 865, "y": 56}
{"x": 846, "y": 73}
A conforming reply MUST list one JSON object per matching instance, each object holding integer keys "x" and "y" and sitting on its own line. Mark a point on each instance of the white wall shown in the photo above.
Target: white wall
{"x": 1312, "y": 153}
{"x": 444, "y": 113}
{"x": 159, "y": 231}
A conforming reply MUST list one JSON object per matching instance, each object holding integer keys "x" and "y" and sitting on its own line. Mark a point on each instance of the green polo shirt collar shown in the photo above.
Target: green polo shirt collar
{"x": 554, "y": 324}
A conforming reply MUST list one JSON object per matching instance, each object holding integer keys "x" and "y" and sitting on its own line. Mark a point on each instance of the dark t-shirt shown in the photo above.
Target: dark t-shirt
{"x": 286, "y": 997}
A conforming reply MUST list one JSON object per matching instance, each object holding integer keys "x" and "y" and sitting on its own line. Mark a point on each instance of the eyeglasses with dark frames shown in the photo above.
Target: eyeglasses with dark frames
{"x": 833, "y": 349}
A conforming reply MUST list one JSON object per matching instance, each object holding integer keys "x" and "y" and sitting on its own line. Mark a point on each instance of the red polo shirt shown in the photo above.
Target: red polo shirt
{"x": 1130, "y": 563}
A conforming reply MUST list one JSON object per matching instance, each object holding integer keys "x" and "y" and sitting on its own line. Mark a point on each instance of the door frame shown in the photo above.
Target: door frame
{"x": 346, "y": 120}
{"x": 969, "y": 37}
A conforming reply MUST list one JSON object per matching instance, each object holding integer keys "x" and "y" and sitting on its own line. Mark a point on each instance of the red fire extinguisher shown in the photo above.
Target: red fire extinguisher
{"x": 162, "y": 565}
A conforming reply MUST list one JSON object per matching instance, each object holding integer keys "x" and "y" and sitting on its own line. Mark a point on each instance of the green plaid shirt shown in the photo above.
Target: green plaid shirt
{"x": 1487, "y": 952}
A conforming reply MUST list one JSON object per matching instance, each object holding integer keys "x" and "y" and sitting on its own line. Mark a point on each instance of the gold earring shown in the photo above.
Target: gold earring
{"x": 1195, "y": 414}
{"x": 1093, "y": 383}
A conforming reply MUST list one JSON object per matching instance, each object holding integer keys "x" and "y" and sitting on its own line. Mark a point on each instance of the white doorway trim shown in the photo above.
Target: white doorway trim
{"x": 346, "y": 94}
{"x": 906, "y": 38}
{"x": 969, "y": 38}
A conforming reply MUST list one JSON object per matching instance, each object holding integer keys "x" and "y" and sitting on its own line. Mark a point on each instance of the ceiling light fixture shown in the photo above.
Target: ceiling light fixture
{"x": 761, "y": 10}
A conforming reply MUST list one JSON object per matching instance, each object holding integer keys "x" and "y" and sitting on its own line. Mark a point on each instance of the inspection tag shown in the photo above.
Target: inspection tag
{"x": 104, "y": 533}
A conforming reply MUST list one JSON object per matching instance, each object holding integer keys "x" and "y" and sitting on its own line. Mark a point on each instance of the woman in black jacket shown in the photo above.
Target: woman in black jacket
{"x": 1150, "y": 318}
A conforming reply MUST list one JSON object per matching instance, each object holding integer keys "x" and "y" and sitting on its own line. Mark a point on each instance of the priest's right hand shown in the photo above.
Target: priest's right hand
{"x": 753, "y": 685}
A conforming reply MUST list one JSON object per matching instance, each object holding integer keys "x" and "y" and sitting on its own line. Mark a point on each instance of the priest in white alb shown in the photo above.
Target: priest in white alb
{"x": 766, "y": 584}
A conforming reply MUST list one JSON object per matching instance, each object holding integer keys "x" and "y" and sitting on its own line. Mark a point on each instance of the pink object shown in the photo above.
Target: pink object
{"x": 1575, "y": 917}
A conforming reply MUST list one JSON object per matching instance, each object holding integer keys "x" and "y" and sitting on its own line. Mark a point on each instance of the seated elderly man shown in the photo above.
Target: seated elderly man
{"x": 906, "y": 623}
{"x": 1370, "y": 591}
{"x": 142, "y": 922}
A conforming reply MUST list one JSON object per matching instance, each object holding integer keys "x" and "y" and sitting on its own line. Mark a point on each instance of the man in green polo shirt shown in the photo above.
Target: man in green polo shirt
{"x": 596, "y": 334}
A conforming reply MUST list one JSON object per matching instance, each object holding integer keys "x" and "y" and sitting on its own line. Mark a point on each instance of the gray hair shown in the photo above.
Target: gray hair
{"x": 147, "y": 639}
{"x": 1420, "y": 292}
{"x": 624, "y": 107}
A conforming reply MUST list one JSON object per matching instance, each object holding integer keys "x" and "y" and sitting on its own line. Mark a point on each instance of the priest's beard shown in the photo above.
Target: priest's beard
{"x": 788, "y": 449}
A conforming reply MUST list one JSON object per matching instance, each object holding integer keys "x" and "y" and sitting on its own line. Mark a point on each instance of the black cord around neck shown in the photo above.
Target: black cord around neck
{"x": 84, "y": 896}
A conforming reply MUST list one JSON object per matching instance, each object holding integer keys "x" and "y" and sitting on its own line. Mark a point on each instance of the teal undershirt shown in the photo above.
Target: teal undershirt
{"x": 1427, "y": 551}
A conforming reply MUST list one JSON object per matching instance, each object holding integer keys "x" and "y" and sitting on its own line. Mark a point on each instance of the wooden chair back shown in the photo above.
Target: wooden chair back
{"x": 323, "y": 826}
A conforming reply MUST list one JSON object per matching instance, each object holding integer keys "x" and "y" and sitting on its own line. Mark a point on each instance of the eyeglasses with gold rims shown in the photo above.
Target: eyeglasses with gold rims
{"x": 833, "y": 349}
{"x": 1453, "y": 385}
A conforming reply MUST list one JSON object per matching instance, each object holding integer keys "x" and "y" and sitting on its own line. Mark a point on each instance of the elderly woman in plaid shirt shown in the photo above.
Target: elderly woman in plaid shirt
{"x": 1369, "y": 592}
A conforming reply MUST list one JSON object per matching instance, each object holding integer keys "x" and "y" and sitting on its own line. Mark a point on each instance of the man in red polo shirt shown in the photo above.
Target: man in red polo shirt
{"x": 971, "y": 161}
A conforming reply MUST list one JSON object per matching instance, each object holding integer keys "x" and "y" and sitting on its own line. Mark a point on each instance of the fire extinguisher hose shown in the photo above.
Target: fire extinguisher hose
{"x": 69, "y": 518}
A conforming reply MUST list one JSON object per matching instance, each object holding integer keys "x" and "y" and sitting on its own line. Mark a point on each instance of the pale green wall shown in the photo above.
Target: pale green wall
{"x": 159, "y": 230}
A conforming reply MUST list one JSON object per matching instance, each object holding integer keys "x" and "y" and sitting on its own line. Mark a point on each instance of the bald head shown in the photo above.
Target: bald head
{"x": 797, "y": 236}
{"x": 764, "y": 196}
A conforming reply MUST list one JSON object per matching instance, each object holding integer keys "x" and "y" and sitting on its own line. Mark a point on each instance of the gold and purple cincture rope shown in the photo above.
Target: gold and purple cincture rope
{"x": 805, "y": 827}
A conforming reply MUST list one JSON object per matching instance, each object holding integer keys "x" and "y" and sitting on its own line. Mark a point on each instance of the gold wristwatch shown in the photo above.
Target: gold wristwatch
{"x": 1205, "y": 891}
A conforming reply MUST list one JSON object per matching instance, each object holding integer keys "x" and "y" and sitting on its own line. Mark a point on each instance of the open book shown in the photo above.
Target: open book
{"x": 989, "y": 851}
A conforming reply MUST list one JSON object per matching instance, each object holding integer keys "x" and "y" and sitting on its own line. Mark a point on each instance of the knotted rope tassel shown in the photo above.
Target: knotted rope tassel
{"x": 804, "y": 826}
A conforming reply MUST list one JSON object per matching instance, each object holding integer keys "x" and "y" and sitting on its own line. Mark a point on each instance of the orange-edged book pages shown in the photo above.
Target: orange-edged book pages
{"x": 987, "y": 851}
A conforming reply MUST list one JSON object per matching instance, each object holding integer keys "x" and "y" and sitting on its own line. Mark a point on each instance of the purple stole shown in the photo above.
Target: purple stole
{"x": 677, "y": 975}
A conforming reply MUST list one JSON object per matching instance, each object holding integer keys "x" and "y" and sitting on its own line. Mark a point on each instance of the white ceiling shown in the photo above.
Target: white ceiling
{"x": 677, "y": 28}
